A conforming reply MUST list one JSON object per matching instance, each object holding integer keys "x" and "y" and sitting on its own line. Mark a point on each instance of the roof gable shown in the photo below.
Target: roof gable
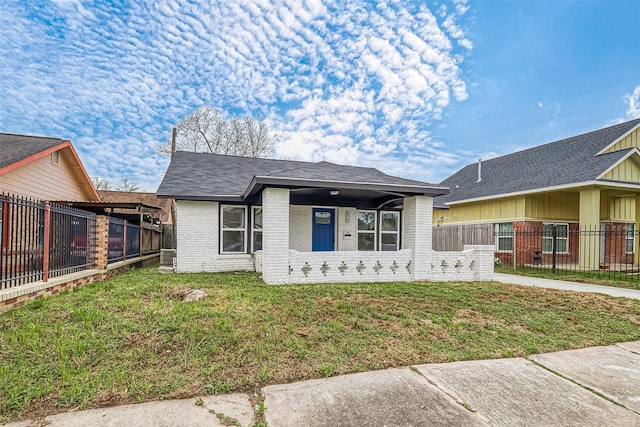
{"x": 17, "y": 151}
{"x": 566, "y": 162}
{"x": 631, "y": 139}
{"x": 626, "y": 169}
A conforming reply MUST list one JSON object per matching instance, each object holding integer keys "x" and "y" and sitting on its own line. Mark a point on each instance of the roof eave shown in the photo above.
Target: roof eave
{"x": 258, "y": 182}
{"x": 203, "y": 197}
{"x": 617, "y": 184}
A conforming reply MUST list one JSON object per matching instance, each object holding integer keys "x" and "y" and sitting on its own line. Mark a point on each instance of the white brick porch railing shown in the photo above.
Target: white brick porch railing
{"x": 349, "y": 266}
{"x": 473, "y": 263}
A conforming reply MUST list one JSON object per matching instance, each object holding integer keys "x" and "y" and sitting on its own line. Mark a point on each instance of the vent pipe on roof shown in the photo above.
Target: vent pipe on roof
{"x": 479, "y": 170}
{"x": 173, "y": 142}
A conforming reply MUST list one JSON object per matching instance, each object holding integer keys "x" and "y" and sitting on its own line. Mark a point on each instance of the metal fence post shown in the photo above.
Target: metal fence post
{"x": 124, "y": 241}
{"x": 515, "y": 250}
{"x": 554, "y": 235}
{"x": 46, "y": 243}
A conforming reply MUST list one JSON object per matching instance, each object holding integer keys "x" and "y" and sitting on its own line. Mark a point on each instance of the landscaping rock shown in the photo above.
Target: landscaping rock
{"x": 195, "y": 295}
{"x": 186, "y": 294}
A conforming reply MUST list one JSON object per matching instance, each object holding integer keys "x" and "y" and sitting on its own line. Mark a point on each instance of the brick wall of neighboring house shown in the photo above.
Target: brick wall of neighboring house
{"x": 528, "y": 241}
{"x": 15, "y": 297}
{"x": 615, "y": 245}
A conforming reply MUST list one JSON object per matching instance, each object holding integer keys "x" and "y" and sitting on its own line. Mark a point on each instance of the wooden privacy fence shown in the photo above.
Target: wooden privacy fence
{"x": 454, "y": 237}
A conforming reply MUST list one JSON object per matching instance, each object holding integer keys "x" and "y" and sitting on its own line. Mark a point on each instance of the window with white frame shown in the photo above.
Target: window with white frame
{"x": 562, "y": 237}
{"x": 504, "y": 237}
{"x": 256, "y": 226}
{"x": 234, "y": 229}
{"x": 366, "y": 230}
{"x": 630, "y": 239}
{"x": 389, "y": 231}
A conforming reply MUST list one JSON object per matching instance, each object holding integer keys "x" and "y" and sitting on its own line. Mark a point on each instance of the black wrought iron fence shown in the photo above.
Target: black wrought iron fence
{"x": 39, "y": 240}
{"x": 611, "y": 248}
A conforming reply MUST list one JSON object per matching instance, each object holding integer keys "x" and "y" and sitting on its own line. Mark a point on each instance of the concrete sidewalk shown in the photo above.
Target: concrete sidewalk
{"x": 598, "y": 386}
{"x": 566, "y": 286}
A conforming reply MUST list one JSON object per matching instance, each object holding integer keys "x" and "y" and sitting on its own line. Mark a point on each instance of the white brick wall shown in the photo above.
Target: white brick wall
{"x": 347, "y": 243}
{"x": 275, "y": 235}
{"x": 418, "y": 213}
{"x": 349, "y": 267}
{"x": 474, "y": 263}
{"x": 197, "y": 236}
{"x": 197, "y": 240}
{"x": 300, "y": 218}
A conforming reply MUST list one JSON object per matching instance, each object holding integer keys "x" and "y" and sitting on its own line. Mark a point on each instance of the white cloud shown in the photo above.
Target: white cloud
{"x": 343, "y": 81}
{"x": 633, "y": 103}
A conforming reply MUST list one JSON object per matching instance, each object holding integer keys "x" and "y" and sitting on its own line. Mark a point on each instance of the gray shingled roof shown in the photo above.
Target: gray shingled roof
{"x": 565, "y": 162}
{"x": 14, "y": 148}
{"x": 213, "y": 176}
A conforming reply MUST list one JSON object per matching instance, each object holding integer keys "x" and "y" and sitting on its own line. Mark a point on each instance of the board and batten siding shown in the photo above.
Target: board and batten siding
{"x": 478, "y": 212}
{"x": 622, "y": 209}
{"x": 557, "y": 206}
{"x": 42, "y": 179}
{"x": 628, "y": 171}
{"x": 630, "y": 141}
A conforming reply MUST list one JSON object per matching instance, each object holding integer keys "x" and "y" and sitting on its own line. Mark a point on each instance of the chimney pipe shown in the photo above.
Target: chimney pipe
{"x": 479, "y": 170}
{"x": 173, "y": 142}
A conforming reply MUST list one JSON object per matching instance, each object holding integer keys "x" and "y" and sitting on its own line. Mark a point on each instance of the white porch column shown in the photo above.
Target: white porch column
{"x": 275, "y": 236}
{"x": 418, "y": 214}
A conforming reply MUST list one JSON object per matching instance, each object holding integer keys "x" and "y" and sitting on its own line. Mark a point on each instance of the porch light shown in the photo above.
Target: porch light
{"x": 334, "y": 192}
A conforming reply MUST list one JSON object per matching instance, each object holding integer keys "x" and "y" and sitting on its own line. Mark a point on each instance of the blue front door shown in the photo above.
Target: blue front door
{"x": 323, "y": 230}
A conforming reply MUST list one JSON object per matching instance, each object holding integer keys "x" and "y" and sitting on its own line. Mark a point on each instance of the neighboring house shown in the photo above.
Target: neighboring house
{"x": 34, "y": 169}
{"x": 43, "y": 168}
{"x": 300, "y": 222}
{"x": 586, "y": 182}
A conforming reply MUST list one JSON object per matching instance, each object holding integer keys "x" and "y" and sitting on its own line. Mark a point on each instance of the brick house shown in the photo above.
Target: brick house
{"x": 586, "y": 186}
{"x": 300, "y": 222}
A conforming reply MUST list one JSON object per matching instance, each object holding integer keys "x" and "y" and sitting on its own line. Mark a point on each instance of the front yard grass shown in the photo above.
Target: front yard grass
{"x": 130, "y": 340}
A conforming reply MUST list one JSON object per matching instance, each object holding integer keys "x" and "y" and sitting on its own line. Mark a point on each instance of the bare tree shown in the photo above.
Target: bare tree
{"x": 206, "y": 131}
{"x": 126, "y": 185}
{"x": 101, "y": 183}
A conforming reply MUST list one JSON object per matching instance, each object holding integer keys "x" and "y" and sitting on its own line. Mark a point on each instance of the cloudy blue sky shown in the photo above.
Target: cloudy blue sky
{"x": 414, "y": 88}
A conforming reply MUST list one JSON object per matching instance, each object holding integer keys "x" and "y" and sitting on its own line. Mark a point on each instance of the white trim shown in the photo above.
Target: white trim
{"x": 374, "y": 231}
{"x": 422, "y": 187}
{"x": 604, "y": 183}
{"x": 397, "y": 232}
{"x": 253, "y": 227}
{"x": 620, "y": 138}
{"x": 499, "y": 236}
{"x": 244, "y": 230}
{"x": 633, "y": 237}
{"x": 557, "y": 238}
